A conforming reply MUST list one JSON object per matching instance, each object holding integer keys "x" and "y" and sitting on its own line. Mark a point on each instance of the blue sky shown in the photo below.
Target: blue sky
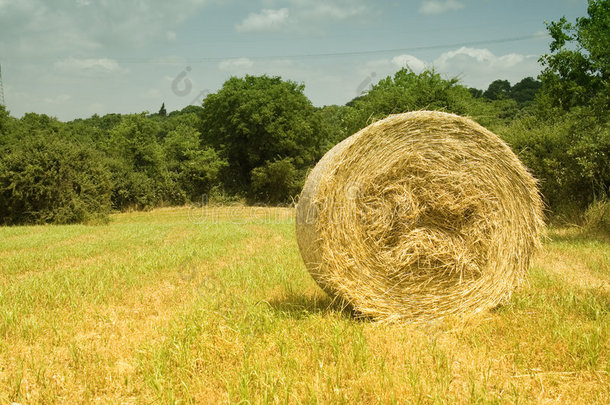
{"x": 73, "y": 58}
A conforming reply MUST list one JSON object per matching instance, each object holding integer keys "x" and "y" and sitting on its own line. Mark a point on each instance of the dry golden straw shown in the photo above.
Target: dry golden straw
{"x": 419, "y": 216}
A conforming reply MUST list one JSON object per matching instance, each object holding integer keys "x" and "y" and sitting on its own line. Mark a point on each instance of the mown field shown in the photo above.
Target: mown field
{"x": 190, "y": 306}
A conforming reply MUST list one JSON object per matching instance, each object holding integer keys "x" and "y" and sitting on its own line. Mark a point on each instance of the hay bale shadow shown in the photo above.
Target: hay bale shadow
{"x": 301, "y": 306}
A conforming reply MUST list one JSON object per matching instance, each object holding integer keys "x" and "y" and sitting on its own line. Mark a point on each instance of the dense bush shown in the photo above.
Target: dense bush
{"x": 140, "y": 175}
{"x": 46, "y": 178}
{"x": 408, "y": 91}
{"x": 71, "y": 172}
{"x": 597, "y": 217}
{"x": 194, "y": 168}
{"x": 335, "y": 122}
{"x": 255, "y": 121}
{"x": 569, "y": 154}
{"x": 257, "y": 137}
{"x": 276, "y": 182}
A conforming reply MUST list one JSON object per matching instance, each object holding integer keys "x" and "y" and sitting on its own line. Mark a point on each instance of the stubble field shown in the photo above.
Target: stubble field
{"x": 215, "y": 305}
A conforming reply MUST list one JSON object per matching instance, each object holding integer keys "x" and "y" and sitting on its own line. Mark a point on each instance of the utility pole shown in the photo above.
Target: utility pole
{"x": 1, "y": 88}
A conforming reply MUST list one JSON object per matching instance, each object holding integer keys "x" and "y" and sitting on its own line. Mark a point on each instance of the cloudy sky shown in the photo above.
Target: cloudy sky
{"x": 73, "y": 58}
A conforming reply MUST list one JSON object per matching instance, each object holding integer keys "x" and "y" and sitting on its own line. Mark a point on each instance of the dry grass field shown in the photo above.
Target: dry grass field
{"x": 190, "y": 306}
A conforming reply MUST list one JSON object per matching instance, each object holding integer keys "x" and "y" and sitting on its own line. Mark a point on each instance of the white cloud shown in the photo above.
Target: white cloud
{"x": 266, "y": 20}
{"x": 478, "y": 67}
{"x": 95, "y": 66}
{"x": 475, "y": 67}
{"x": 469, "y": 57}
{"x": 466, "y": 54}
{"x": 304, "y": 16}
{"x": 86, "y": 25}
{"x": 235, "y": 64}
{"x": 439, "y": 7}
{"x": 415, "y": 64}
{"x": 61, "y": 98}
{"x": 330, "y": 11}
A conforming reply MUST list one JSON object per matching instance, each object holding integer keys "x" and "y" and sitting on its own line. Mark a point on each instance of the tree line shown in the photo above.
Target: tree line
{"x": 257, "y": 137}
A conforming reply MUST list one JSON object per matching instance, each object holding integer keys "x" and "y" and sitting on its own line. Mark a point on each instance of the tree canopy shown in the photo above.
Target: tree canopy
{"x": 256, "y": 138}
{"x": 51, "y": 178}
{"x": 257, "y": 120}
{"x": 577, "y": 69}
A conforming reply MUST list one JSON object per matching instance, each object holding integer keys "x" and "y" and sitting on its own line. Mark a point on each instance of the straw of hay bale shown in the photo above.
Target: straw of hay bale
{"x": 419, "y": 216}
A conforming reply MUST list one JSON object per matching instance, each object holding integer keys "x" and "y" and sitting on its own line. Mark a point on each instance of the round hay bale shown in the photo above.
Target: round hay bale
{"x": 419, "y": 216}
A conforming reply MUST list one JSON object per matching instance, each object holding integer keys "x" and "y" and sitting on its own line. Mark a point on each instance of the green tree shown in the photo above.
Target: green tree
{"x": 195, "y": 169}
{"x": 162, "y": 111}
{"x": 498, "y": 90}
{"x": 476, "y": 93}
{"x": 567, "y": 142}
{"x": 185, "y": 118}
{"x": 32, "y": 123}
{"x": 408, "y": 91}
{"x": 139, "y": 168}
{"x": 6, "y": 126}
{"x": 255, "y": 120}
{"x": 106, "y": 123}
{"x": 525, "y": 91}
{"x": 49, "y": 178}
{"x": 569, "y": 155}
{"x": 275, "y": 181}
{"x": 577, "y": 69}
{"x": 334, "y": 120}
{"x": 189, "y": 109}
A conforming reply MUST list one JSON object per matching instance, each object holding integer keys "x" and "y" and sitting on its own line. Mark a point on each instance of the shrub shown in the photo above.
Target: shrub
{"x": 139, "y": 168}
{"x": 194, "y": 169}
{"x": 597, "y": 217}
{"x": 276, "y": 182}
{"x": 569, "y": 154}
{"x": 255, "y": 120}
{"x": 408, "y": 91}
{"x": 49, "y": 179}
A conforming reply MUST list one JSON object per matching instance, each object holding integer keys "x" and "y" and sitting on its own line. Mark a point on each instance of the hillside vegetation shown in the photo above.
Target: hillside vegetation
{"x": 256, "y": 138}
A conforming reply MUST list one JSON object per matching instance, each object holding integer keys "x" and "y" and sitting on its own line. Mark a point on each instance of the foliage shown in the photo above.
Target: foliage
{"x": 525, "y": 91}
{"x": 566, "y": 140}
{"x": 408, "y": 91}
{"x": 194, "y": 168}
{"x": 498, "y": 89}
{"x": 257, "y": 137}
{"x": 577, "y": 69}
{"x": 522, "y": 92}
{"x": 147, "y": 160}
{"x": 276, "y": 182}
{"x": 570, "y": 156}
{"x": 255, "y": 120}
{"x": 597, "y": 217}
{"x": 162, "y": 111}
{"x": 335, "y": 121}
{"x": 139, "y": 170}
{"x": 476, "y": 93}
{"x": 47, "y": 178}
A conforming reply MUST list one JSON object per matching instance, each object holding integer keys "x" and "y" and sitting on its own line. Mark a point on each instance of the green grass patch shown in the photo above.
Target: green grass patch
{"x": 171, "y": 307}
